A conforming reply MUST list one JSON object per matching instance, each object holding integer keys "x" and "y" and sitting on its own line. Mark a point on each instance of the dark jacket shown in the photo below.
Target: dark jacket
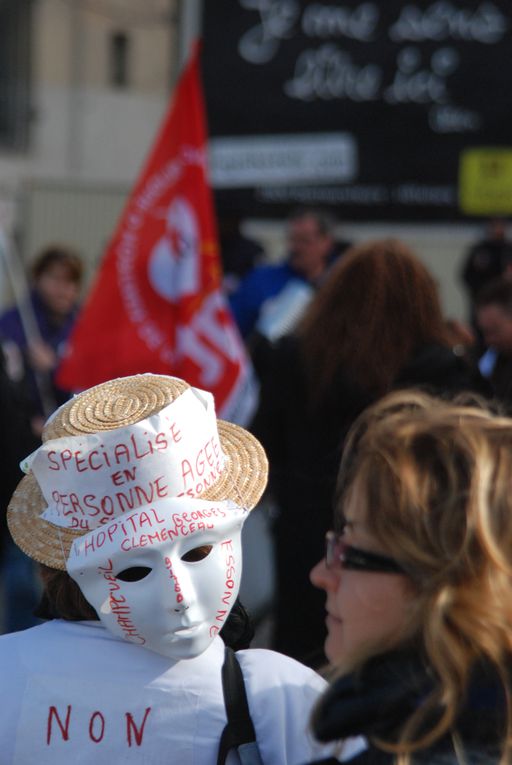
{"x": 304, "y": 445}
{"x": 376, "y": 702}
{"x": 54, "y": 334}
{"x": 500, "y": 380}
{"x": 16, "y": 439}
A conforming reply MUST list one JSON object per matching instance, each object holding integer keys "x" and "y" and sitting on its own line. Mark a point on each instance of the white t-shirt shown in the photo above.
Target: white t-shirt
{"x": 74, "y": 693}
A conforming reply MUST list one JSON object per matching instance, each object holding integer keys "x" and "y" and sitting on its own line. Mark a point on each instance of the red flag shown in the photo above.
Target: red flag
{"x": 156, "y": 305}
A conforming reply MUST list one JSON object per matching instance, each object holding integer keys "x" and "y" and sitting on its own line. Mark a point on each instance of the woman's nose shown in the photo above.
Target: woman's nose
{"x": 322, "y": 577}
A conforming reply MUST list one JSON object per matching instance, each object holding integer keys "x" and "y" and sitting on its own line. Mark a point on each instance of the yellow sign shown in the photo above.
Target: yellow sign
{"x": 485, "y": 181}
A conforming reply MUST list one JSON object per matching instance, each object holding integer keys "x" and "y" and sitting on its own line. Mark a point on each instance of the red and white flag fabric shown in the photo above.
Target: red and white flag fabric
{"x": 156, "y": 304}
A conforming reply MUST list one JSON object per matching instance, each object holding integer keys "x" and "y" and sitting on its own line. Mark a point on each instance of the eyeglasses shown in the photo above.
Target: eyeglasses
{"x": 340, "y": 555}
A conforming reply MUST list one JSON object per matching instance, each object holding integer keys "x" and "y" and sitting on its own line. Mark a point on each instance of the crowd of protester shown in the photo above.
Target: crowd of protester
{"x": 389, "y": 444}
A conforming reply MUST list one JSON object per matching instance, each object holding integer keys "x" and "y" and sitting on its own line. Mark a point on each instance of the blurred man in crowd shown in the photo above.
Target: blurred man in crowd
{"x": 312, "y": 249}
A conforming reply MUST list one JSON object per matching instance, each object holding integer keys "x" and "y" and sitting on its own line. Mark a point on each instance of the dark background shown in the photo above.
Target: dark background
{"x": 396, "y": 145}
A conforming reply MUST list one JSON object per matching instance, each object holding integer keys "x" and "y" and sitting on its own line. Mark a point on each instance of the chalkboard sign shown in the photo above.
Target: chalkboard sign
{"x": 381, "y": 110}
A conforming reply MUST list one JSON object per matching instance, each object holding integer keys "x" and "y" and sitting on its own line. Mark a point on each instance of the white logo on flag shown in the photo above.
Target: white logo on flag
{"x": 173, "y": 268}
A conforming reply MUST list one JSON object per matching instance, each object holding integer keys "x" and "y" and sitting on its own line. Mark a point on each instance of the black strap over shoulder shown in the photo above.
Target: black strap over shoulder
{"x": 239, "y": 731}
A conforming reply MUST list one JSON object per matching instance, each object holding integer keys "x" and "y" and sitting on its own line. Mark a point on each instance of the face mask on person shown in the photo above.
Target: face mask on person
{"x": 164, "y": 576}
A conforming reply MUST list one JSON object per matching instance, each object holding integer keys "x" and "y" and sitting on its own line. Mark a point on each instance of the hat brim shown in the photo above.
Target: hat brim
{"x": 243, "y": 481}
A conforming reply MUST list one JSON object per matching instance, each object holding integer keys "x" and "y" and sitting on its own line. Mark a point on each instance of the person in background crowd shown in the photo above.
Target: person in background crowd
{"x": 16, "y": 441}
{"x": 485, "y": 261}
{"x": 375, "y": 325}
{"x": 141, "y": 570}
{"x": 418, "y": 582}
{"x": 56, "y": 277}
{"x": 493, "y": 310}
{"x": 312, "y": 249}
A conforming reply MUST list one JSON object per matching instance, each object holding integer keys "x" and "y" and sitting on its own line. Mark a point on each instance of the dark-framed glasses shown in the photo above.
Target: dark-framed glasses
{"x": 338, "y": 554}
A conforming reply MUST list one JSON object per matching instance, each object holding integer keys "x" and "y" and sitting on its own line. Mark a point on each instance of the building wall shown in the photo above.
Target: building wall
{"x": 76, "y": 112}
{"x": 87, "y": 135}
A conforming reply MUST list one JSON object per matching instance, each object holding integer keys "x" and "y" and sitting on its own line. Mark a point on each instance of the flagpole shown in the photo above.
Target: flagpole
{"x": 20, "y": 288}
{"x": 189, "y": 29}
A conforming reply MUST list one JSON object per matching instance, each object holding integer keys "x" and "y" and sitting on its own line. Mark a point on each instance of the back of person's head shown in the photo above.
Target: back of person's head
{"x": 62, "y": 256}
{"x": 493, "y": 308}
{"x": 377, "y": 306}
{"x": 432, "y": 482}
{"x": 496, "y": 292}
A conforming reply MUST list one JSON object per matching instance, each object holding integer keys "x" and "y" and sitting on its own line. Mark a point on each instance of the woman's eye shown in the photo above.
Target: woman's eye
{"x": 197, "y": 553}
{"x": 133, "y": 574}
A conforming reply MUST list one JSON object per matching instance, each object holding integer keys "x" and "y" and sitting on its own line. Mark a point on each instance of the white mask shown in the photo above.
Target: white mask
{"x": 164, "y": 576}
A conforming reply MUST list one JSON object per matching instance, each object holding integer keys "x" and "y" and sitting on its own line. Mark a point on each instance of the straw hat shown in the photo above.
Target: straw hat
{"x": 118, "y": 404}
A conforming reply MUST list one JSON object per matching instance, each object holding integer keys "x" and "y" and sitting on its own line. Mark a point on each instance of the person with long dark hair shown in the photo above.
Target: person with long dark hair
{"x": 376, "y": 324}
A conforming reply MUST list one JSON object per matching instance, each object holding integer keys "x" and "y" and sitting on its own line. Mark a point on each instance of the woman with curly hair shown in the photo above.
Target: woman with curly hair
{"x": 418, "y": 577}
